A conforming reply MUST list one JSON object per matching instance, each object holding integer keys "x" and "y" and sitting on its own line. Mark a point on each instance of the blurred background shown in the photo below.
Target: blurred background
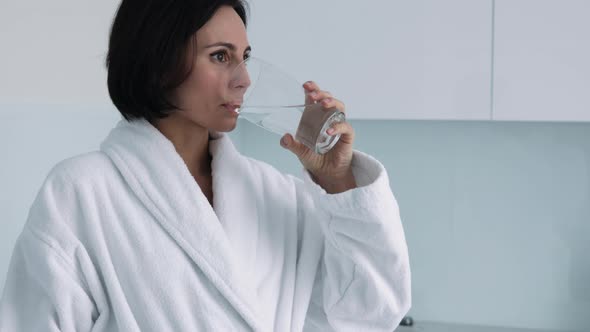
{"x": 479, "y": 110}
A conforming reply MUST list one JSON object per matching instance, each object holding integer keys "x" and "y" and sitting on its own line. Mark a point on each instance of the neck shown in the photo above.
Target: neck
{"x": 190, "y": 140}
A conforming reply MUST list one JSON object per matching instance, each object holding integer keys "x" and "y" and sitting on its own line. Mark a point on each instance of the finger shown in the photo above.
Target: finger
{"x": 330, "y": 103}
{"x": 289, "y": 143}
{"x": 311, "y": 90}
{"x": 311, "y": 86}
{"x": 344, "y": 129}
{"x": 316, "y": 96}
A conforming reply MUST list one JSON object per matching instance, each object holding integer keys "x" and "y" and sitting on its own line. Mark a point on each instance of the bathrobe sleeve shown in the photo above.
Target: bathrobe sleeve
{"x": 363, "y": 278}
{"x": 44, "y": 290}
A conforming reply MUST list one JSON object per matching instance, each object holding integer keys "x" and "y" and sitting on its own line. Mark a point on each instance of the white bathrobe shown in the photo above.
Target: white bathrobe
{"x": 123, "y": 239}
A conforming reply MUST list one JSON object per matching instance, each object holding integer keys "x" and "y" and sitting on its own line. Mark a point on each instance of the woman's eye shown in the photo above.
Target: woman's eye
{"x": 221, "y": 56}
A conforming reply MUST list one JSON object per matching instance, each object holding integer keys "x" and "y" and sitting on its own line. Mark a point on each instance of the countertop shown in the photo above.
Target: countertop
{"x": 425, "y": 326}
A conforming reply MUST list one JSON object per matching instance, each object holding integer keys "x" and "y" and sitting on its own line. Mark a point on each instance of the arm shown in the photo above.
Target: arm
{"x": 363, "y": 279}
{"x": 363, "y": 282}
{"x": 42, "y": 290}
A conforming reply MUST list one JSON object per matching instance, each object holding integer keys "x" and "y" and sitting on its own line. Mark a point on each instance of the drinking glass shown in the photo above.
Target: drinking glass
{"x": 275, "y": 101}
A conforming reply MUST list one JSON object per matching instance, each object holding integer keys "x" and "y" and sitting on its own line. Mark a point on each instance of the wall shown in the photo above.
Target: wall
{"x": 497, "y": 215}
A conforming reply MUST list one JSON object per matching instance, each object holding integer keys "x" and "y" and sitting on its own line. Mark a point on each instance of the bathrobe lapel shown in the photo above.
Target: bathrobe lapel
{"x": 236, "y": 203}
{"x": 156, "y": 173}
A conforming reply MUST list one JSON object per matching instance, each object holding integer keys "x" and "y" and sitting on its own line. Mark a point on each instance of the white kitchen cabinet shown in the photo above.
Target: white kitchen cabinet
{"x": 542, "y": 60}
{"x": 53, "y": 52}
{"x": 385, "y": 59}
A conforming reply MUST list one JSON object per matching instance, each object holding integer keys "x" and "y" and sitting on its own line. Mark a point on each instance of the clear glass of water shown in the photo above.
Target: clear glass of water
{"x": 275, "y": 101}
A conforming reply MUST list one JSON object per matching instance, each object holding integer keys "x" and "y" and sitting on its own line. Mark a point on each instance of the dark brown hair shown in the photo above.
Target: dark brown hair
{"x": 148, "y": 47}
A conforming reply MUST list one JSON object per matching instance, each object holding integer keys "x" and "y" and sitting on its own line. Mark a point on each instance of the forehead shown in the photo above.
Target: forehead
{"x": 224, "y": 26}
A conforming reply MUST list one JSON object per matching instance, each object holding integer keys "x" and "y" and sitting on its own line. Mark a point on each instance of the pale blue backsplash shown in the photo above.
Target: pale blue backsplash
{"x": 497, "y": 214}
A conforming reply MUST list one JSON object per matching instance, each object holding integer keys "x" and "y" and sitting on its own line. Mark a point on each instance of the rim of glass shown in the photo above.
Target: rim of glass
{"x": 273, "y": 66}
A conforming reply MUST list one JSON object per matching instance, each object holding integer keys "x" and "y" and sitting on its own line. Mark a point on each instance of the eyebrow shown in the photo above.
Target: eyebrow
{"x": 231, "y": 46}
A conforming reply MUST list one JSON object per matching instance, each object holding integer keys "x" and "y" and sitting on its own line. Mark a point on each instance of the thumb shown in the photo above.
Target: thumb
{"x": 289, "y": 143}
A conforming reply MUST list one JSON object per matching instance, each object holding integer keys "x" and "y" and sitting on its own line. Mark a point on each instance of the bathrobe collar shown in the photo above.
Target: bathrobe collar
{"x": 157, "y": 174}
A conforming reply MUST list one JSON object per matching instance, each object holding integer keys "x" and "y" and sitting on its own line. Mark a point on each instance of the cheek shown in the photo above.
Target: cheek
{"x": 205, "y": 86}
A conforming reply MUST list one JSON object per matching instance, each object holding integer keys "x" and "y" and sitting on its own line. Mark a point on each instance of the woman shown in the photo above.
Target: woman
{"x": 169, "y": 228}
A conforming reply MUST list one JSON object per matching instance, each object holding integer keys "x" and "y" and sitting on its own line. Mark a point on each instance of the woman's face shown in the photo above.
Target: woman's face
{"x": 210, "y": 95}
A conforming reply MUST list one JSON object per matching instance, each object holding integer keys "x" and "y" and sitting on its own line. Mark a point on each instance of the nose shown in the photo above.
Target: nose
{"x": 241, "y": 78}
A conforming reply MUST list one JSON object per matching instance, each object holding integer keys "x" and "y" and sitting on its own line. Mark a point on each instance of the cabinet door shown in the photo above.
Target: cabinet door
{"x": 53, "y": 52}
{"x": 386, "y": 59}
{"x": 542, "y": 60}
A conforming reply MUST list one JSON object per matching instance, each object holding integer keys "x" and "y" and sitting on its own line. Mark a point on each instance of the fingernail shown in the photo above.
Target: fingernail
{"x": 284, "y": 142}
{"x": 330, "y": 131}
{"x": 314, "y": 94}
{"x": 326, "y": 101}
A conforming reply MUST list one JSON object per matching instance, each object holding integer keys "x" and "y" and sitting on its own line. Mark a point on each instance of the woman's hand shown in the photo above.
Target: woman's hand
{"x": 332, "y": 171}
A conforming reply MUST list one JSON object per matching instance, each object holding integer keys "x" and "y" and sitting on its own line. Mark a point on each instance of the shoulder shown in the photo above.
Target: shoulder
{"x": 70, "y": 183}
{"x": 74, "y": 187}
{"x": 81, "y": 169}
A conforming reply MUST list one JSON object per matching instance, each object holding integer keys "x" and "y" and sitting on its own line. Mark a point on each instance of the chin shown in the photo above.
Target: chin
{"x": 226, "y": 126}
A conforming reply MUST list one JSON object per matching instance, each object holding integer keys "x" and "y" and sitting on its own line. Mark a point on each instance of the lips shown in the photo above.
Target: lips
{"x": 233, "y": 106}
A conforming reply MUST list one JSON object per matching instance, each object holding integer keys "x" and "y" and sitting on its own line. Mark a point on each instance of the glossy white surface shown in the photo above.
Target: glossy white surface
{"x": 53, "y": 52}
{"x": 541, "y": 69}
{"x": 405, "y": 59}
